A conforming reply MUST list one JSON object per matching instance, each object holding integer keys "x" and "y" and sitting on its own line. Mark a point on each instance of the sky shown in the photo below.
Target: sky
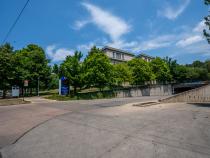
{"x": 156, "y": 27}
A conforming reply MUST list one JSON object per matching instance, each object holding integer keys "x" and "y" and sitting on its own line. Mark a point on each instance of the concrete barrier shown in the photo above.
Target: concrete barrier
{"x": 152, "y": 90}
{"x": 147, "y": 90}
{"x": 198, "y": 95}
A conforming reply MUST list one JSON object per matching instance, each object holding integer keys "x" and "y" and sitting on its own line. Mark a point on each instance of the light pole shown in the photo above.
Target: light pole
{"x": 38, "y": 86}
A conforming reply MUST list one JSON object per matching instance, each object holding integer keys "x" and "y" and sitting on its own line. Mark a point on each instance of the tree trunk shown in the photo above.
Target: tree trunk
{"x": 30, "y": 91}
{"x": 4, "y": 93}
{"x": 21, "y": 90}
{"x": 75, "y": 90}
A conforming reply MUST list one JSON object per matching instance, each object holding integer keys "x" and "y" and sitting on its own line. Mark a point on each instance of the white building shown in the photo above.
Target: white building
{"x": 145, "y": 57}
{"x": 117, "y": 55}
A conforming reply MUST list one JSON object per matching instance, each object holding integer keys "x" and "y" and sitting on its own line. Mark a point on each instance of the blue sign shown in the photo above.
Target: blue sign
{"x": 64, "y": 86}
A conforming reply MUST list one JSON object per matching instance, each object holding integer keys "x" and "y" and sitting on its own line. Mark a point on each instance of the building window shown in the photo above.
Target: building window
{"x": 113, "y": 55}
{"x": 118, "y": 55}
{"x": 123, "y": 57}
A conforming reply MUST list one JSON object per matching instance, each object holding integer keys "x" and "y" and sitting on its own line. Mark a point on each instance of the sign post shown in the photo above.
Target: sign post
{"x": 38, "y": 87}
{"x": 63, "y": 86}
{"x": 24, "y": 85}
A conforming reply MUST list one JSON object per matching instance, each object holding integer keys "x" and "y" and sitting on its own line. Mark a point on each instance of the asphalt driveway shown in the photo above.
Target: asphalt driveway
{"x": 103, "y": 129}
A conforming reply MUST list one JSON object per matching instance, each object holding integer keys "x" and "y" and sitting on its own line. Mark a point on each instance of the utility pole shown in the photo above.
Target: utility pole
{"x": 38, "y": 86}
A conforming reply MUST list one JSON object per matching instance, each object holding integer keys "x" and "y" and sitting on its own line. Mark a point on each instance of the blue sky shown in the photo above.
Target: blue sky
{"x": 156, "y": 27}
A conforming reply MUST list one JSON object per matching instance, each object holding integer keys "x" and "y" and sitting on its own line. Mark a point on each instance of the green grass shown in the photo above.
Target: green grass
{"x": 92, "y": 89}
{"x": 60, "y": 98}
{"x": 13, "y": 101}
{"x": 48, "y": 92}
{"x": 83, "y": 96}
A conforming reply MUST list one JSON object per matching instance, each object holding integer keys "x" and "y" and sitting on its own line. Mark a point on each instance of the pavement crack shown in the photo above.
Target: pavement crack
{"x": 26, "y": 132}
{"x": 116, "y": 145}
{"x": 161, "y": 140}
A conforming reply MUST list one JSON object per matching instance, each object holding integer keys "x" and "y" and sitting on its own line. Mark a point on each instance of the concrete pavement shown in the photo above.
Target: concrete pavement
{"x": 15, "y": 120}
{"x": 101, "y": 129}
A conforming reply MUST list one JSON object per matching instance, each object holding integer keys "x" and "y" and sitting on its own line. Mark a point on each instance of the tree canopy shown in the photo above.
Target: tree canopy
{"x": 122, "y": 73}
{"x": 31, "y": 63}
{"x": 207, "y": 22}
{"x": 141, "y": 71}
{"x": 72, "y": 69}
{"x": 161, "y": 70}
{"x": 98, "y": 71}
{"x": 6, "y": 67}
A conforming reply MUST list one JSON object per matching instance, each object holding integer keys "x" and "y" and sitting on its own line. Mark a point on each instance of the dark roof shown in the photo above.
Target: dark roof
{"x": 145, "y": 55}
{"x": 117, "y": 50}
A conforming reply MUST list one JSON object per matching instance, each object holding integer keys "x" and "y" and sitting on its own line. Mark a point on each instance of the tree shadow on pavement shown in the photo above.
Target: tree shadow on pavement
{"x": 205, "y": 105}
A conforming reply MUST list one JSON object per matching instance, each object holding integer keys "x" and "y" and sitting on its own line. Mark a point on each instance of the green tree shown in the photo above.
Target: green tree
{"x": 122, "y": 73}
{"x": 207, "y": 65}
{"x": 98, "y": 71}
{"x": 141, "y": 71}
{"x": 54, "y": 81}
{"x": 207, "y": 22}
{"x": 202, "y": 74}
{"x": 190, "y": 74}
{"x": 172, "y": 64}
{"x": 197, "y": 63}
{"x": 55, "y": 69}
{"x": 6, "y": 67}
{"x": 72, "y": 69}
{"x": 94, "y": 50}
{"x": 181, "y": 73}
{"x": 32, "y": 64}
{"x": 161, "y": 70}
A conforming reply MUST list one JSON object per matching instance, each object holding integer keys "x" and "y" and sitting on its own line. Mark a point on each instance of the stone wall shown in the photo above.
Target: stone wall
{"x": 198, "y": 95}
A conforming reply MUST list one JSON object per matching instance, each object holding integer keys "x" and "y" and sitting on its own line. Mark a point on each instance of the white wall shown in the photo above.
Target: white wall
{"x": 127, "y": 57}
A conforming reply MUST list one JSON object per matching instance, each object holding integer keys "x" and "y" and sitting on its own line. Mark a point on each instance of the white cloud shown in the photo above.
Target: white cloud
{"x": 80, "y": 24}
{"x": 57, "y": 55}
{"x": 193, "y": 41}
{"x": 192, "y": 37}
{"x": 184, "y": 39}
{"x": 200, "y": 27}
{"x": 150, "y": 44}
{"x": 199, "y": 48}
{"x": 112, "y": 25}
{"x": 121, "y": 44}
{"x": 85, "y": 47}
{"x": 172, "y": 13}
{"x": 189, "y": 41}
{"x": 155, "y": 43}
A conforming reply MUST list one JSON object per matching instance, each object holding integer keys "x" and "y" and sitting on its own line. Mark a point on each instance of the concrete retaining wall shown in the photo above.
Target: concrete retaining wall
{"x": 153, "y": 90}
{"x": 148, "y": 90}
{"x": 198, "y": 95}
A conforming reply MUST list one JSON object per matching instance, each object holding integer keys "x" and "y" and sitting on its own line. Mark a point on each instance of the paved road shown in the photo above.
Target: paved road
{"x": 17, "y": 119}
{"x": 102, "y": 129}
